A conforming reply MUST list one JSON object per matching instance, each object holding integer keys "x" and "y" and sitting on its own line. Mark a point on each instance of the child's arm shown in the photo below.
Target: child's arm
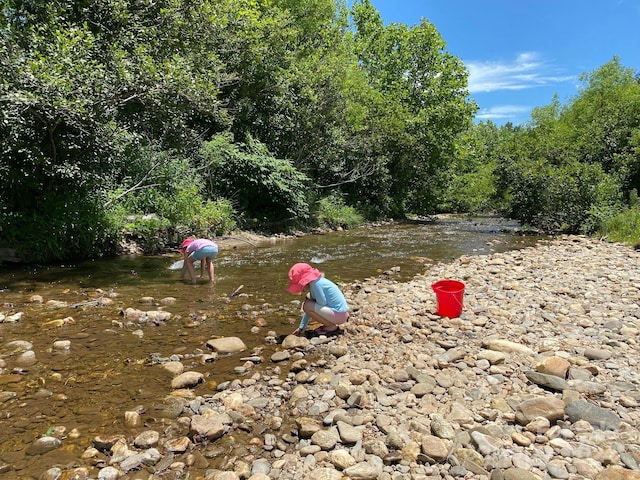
{"x": 184, "y": 266}
{"x": 303, "y": 324}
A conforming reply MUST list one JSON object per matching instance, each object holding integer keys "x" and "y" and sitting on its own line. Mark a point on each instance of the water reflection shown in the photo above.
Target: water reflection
{"x": 109, "y": 369}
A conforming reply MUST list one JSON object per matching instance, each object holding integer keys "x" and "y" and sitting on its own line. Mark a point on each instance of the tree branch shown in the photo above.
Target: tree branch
{"x": 357, "y": 173}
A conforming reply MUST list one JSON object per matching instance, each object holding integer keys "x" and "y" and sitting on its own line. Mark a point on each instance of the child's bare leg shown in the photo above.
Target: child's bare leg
{"x": 191, "y": 269}
{"x": 309, "y": 308}
{"x": 209, "y": 269}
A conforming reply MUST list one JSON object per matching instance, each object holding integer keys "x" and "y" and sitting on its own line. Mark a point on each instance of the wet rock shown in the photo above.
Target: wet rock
{"x": 43, "y": 445}
{"x": 147, "y": 439}
{"x": 295, "y": 342}
{"x": 132, "y": 419}
{"x": 210, "y": 427}
{"x": 62, "y": 345}
{"x": 226, "y": 345}
{"x": 178, "y": 445}
{"x": 17, "y": 347}
{"x": 106, "y": 442}
{"x": 26, "y": 359}
{"x": 11, "y": 318}
{"x": 108, "y": 473}
{"x": 54, "y": 473}
{"x": 152, "y": 316}
{"x": 137, "y": 460}
{"x": 187, "y": 380}
{"x": 172, "y": 407}
{"x": 175, "y": 368}
{"x": 280, "y": 356}
{"x": 56, "y": 304}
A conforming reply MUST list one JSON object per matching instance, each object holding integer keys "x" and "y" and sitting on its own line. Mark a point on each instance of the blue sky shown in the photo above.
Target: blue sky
{"x": 520, "y": 53}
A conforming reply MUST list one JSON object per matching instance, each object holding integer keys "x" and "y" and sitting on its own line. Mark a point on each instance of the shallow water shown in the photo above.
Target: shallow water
{"x": 111, "y": 365}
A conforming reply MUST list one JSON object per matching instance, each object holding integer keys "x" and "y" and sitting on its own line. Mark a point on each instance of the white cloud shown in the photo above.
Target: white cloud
{"x": 525, "y": 71}
{"x": 503, "y": 112}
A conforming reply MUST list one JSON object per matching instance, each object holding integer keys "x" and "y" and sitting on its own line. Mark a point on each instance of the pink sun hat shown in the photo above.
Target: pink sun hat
{"x": 300, "y": 275}
{"x": 185, "y": 244}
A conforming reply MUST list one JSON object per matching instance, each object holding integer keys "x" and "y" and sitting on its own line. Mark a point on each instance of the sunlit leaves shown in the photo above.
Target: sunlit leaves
{"x": 260, "y": 184}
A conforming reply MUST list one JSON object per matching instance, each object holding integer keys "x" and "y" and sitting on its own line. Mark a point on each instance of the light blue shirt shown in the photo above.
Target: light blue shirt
{"x": 325, "y": 293}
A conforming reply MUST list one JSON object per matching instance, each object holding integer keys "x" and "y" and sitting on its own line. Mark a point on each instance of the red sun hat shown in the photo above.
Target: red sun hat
{"x": 300, "y": 275}
{"x": 185, "y": 244}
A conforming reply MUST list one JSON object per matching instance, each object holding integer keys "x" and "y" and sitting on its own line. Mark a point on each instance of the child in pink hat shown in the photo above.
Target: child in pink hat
{"x": 201, "y": 249}
{"x": 325, "y": 303}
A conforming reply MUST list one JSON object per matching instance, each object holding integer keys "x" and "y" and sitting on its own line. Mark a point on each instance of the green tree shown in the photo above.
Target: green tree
{"x": 427, "y": 103}
{"x": 574, "y": 164}
{"x": 468, "y": 182}
{"x": 260, "y": 185}
{"x": 83, "y": 87}
{"x": 605, "y": 121}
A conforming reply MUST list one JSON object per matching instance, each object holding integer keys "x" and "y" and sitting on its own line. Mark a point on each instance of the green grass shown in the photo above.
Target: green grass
{"x": 624, "y": 227}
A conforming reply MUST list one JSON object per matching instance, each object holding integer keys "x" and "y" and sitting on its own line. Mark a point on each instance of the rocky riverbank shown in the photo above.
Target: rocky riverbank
{"x": 537, "y": 379}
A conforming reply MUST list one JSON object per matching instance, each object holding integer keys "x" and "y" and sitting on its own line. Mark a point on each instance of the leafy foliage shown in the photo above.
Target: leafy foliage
{"x": 623, "y": 226}
{"x": 262, "y": 186}
{"x": 572, "y": 167}
{"x": 559, "y": 199}
{"x": 425, "y": 103}
{"x": 198, "y": 116}
{"x": 71, "y": 227}
{"x": 332, "y": 212}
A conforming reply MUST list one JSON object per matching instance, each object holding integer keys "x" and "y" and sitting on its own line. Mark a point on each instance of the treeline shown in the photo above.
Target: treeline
{"x": 574, "y": 167}
{"x": 206, "y": 116}
{"x": 158, "y": 119}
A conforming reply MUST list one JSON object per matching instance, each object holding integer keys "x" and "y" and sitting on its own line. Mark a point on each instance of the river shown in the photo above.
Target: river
{"x": 84, "y": 391}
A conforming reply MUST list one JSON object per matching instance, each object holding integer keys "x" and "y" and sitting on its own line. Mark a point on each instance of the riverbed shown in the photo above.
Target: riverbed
{"x": 71, "y": 356}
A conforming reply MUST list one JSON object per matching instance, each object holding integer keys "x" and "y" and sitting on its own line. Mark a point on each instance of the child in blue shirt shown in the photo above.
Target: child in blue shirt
{"x": 325, "y": 303}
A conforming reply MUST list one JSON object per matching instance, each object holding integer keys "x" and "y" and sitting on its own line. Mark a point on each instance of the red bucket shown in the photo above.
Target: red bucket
{"x": 449, "y": 294}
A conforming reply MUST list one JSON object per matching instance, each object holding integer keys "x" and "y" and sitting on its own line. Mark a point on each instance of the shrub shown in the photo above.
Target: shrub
{"x": 72, "y": 227}
{"x": 561, "y": 198}
{"x": 623, "y": 227}
{"x": 189, "y": 215}
{"x": 150, "y": 232}
{"x": 333, "y": 213}
{"x": 213, "y": 218}
{"x": 259, "y": 184}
